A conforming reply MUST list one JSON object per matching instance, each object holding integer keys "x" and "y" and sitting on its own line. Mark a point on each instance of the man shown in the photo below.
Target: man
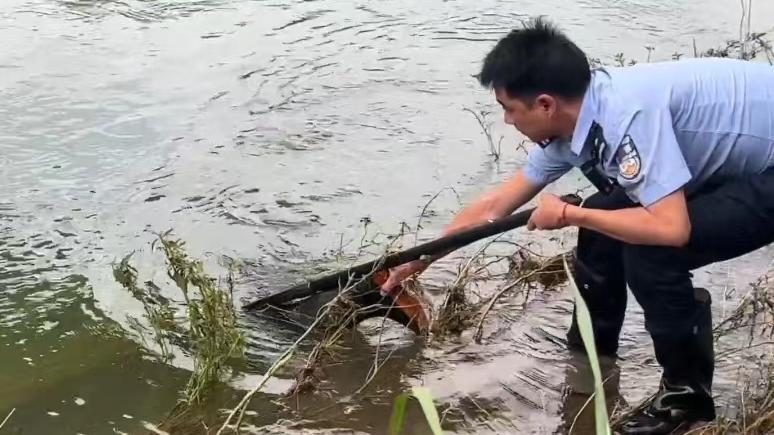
{"x": 682, "y": 154}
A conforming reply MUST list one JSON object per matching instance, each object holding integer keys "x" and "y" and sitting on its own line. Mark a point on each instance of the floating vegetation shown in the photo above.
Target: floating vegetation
{"x": 486, "y": 127}
{"x": 212, "y": 321}
{"x": 158, "y": 312}
{"x": 456, "y": 313}
{"x": 526, "y": 269}
{"x": 755, "y": 312}
{"x": 209, "y": 328}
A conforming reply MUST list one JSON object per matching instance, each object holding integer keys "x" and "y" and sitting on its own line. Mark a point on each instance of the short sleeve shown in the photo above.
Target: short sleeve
{"x": 650, "y": 162}
{"x": 546, "y": 165}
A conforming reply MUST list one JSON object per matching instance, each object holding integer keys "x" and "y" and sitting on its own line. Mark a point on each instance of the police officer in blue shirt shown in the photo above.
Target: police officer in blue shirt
{"x": 682, "y": 154}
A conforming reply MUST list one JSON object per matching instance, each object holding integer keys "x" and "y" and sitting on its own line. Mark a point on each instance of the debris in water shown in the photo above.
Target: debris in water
{"x": 154, "y": 198}
{"x": 210, "y": 326}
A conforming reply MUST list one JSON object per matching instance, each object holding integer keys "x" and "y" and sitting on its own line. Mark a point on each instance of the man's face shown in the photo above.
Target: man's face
{"x": 534, "y": 119}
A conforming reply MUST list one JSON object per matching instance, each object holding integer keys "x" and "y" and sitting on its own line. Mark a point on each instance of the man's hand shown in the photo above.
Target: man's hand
{"x": 549, "y": 214}
{"x": 399, "y": 273}
{"x": 500, "y": 201}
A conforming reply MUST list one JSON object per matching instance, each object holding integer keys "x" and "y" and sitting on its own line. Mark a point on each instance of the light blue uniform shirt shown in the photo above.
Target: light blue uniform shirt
{"x": 670, "y": 125}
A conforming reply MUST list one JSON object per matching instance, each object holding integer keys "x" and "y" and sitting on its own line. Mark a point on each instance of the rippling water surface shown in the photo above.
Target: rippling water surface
{"x": 267, "y": 131}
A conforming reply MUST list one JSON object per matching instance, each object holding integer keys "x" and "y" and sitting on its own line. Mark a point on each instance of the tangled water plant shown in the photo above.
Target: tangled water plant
{"x": 158, "y": 312}
{"x": 209, "y": 328}
{"x": 755, "y": 312}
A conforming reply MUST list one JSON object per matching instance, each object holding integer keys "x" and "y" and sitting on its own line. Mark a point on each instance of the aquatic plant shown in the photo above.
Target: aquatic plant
{"x": 456, "y": 312}
{"x": 486, "y": 128}
{"x": 583, "y": 318}
{"x": 425, "y": 399}
{"x": 212, "y": 320}
{"x": 158, "y": 312}
{"x": 755, "y": 312}
{"x": 209, "y": 329}
{"x": 525, "y": 269}
{"x": 335, "y": 317}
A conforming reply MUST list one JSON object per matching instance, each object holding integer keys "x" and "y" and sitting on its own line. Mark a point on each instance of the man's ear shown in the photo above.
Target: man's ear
{"x": 546, "y": 103}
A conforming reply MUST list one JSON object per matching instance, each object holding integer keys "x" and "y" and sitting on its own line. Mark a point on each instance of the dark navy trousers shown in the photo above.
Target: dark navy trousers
{"x": 728, "y": 219}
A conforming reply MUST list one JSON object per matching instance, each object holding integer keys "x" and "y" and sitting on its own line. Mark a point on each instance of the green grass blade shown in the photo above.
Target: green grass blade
{"x": 398, "y": 414}
{"x": 431, "y": 414}
{"x": 587, "y": 335}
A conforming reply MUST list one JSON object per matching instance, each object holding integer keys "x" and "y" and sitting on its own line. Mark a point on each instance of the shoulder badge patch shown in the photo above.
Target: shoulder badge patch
{"x": 628, "y": 158}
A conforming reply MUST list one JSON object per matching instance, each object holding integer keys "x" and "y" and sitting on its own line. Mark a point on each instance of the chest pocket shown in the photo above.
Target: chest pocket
{"x": 593, "y": 169}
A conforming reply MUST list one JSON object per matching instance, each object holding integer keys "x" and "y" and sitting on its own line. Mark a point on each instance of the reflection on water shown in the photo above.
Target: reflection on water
{"x": 137, "y": 10}
{"x": 272, "y": 131}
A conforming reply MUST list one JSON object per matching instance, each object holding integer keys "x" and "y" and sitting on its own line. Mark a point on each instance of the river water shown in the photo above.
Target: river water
{"x": 270, "y": 131}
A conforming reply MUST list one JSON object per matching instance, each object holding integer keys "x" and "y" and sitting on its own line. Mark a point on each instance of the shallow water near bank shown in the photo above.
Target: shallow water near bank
{"x": 273, "y": 132}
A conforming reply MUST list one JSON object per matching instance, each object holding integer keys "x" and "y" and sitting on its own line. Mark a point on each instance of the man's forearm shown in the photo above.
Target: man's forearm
{"x": 630, "y": 225}
{"x": 495, "y": 204}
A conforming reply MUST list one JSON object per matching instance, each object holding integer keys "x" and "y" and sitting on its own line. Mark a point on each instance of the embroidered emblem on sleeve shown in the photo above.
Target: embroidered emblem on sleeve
{"x": 629, "y": 162}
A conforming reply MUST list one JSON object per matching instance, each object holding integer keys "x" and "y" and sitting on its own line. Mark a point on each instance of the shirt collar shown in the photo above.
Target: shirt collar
{"x": 589, "y": 109}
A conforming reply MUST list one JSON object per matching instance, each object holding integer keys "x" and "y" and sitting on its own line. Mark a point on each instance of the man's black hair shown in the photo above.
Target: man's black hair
{"x": 536, "y": 59}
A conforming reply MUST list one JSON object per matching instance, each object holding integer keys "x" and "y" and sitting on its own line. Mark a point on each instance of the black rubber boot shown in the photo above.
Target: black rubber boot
{"x": 685, "y": 394}
{"x": 606, "y": 301}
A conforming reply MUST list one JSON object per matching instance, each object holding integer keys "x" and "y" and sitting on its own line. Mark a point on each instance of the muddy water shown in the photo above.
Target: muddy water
{"x": 270, "y": 131}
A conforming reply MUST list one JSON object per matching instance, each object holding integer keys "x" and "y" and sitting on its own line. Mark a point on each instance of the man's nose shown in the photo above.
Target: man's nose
{"x": 507, "y": 118}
